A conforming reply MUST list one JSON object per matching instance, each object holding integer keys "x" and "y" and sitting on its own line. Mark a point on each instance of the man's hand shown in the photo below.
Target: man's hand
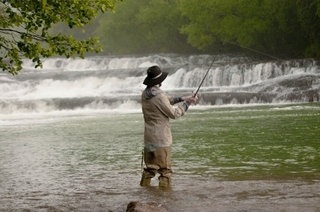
{"x": 191, "y": 99}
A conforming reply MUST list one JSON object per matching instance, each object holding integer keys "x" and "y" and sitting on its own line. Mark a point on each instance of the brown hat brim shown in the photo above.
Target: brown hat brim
{"x": 151, "y": 82}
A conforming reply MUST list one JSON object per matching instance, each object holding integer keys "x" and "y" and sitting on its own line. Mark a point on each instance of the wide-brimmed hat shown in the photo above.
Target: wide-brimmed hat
{"x": 154, "y": 76}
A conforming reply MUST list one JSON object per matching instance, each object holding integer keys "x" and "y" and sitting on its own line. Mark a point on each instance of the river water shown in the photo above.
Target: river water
{"x": 71, "y": 137}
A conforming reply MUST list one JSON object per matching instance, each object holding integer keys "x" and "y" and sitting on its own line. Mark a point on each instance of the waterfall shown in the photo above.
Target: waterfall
{"x": 115, "y": 83}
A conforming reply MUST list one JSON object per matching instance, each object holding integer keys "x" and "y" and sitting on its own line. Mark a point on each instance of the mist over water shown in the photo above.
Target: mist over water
{"x": 114, "y": 83}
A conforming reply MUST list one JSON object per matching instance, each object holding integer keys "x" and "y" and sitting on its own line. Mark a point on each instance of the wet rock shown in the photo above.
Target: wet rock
{"x": 312, "y": 95}
{"x": 236, "y": 97}
{"x": 300, "y": 83}
{"x": 145, "y": 207}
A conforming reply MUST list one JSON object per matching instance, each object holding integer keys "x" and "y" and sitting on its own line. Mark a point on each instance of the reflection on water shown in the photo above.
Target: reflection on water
{"x": 224, "y": 159}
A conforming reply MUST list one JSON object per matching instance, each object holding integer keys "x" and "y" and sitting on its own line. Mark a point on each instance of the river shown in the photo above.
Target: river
{"x": 71, "y": 135}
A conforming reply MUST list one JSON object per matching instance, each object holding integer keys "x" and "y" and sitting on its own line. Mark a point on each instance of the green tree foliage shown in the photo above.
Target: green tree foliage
{"x": 143, "y": 26}
{"x": 278, "y": 27}
{"x": 25, "y": 24}
{"x": 309, "y": 18}
{"x": 119, "y": 32}
{"x": 283, "y": 28}
{"x": 160, "y": 20}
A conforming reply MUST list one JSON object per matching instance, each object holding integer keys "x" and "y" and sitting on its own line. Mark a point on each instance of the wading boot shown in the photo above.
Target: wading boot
{"x": 145, "y": 181}
{"x": 164, "y": 183}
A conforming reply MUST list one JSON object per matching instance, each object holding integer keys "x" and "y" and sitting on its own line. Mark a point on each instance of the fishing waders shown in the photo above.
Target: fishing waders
{"x": 145, "y": 180}
{"x": 164, "y": 182}
{"x": 157, "y": 161}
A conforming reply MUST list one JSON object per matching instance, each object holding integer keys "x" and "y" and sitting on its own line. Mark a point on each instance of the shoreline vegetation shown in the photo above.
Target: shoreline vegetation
{"x": 283, "y": 29}
{"x": 278, "y": 29}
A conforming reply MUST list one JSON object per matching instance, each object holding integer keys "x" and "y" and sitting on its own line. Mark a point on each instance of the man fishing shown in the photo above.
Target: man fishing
{"x": 157, "y": 109}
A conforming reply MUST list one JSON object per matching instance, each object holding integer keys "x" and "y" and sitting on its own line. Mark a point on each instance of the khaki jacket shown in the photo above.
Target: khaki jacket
{"x": 156, "y": 112}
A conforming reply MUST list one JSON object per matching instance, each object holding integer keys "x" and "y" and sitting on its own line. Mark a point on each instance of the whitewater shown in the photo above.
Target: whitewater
{"x": 110, "y": 83}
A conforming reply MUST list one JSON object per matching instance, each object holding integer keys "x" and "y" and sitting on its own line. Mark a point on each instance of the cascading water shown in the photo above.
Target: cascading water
{"x": 109, "y": 83}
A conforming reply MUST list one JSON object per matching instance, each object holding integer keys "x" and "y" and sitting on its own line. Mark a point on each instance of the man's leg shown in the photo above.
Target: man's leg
{"x": 151, "y": 170}
{"x": 163, "y": 156}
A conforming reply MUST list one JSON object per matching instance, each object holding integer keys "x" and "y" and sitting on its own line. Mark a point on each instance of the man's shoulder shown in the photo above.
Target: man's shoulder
{"x": 161, "y": 96}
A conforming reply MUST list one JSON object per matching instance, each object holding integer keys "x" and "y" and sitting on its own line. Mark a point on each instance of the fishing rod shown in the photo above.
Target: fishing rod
{"x": 195, "y": 94}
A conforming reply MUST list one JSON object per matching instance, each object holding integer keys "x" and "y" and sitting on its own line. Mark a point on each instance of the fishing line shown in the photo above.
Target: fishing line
{"x": 254, "y": 50}
{"x": 194, "y": 95}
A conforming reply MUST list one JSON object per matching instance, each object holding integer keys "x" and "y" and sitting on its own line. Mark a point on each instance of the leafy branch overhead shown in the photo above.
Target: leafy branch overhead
{"x": 25, "y": 24}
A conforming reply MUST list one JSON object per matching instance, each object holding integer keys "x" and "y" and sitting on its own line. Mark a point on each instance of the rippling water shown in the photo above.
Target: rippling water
{"x": 253, "y": 158}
